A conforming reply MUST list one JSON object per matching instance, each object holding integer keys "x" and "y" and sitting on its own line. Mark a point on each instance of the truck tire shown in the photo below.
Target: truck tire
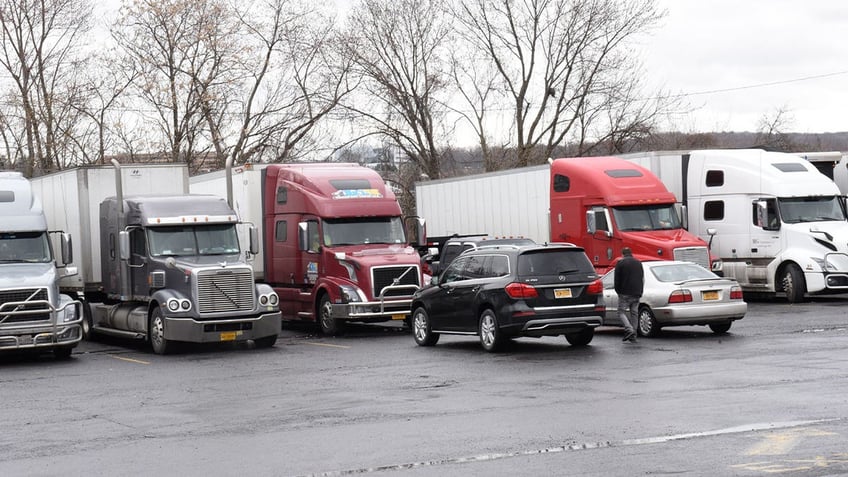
{"x": 62, "y": 352}
{"x": 156, "y": 333}
{"x": 329, "y": 325}
{"x": 87, "y": 321}
{"x": 265, "y": 341}
{"x": 793, "y": 284}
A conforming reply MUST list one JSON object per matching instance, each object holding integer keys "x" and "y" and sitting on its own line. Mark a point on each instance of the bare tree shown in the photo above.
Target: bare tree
{"x": 563, "y": 66}
{"x": 39, "y": 42}
{"x": 771, "y": 130}
{"x": 398, "y": 47}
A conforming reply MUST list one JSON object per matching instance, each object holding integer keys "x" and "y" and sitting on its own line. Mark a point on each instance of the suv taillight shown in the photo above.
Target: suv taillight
{"x": 680, "y": 296}
{"x": 521, "y": 290}
{"x": 595, "y": 288}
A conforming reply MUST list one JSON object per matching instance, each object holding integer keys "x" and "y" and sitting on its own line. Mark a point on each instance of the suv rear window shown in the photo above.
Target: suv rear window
{"x": 553, "y": 262}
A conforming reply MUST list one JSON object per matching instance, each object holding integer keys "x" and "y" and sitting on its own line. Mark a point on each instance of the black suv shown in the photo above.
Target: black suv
{"x": 501, "y": 292}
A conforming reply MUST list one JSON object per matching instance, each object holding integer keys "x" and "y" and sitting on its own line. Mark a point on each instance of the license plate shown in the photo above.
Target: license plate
{"x": 398, "y": 317}
{"x": 709, "y": 295}
{"x": 229, "y": 335}
{"x": 562, "y": 293}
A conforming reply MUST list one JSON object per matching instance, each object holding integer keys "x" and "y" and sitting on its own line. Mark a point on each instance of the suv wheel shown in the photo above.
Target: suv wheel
{"x": 421, "y": 329}
{"x": 581, "y": 338}
{"x": 490, "y": 332}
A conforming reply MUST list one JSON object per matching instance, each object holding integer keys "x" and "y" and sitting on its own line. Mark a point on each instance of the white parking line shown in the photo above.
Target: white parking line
{"x": 130, "y": 360}
{"x": 575, "y": 447}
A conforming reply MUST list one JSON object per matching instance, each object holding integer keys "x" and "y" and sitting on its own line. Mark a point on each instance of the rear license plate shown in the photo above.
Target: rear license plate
{"x": 709, "y": 295}
{"x": 398, "y": 317}
{"x": 562, "y": 293}
{"x": 228, "y": 336}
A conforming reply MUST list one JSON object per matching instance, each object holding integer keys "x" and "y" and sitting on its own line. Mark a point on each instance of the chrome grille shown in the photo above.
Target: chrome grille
{"x": 699, "y": 255}
{"x": 227, "y": 290}
{"x": 12, "y": 313}
{"x": 382, "y": 277}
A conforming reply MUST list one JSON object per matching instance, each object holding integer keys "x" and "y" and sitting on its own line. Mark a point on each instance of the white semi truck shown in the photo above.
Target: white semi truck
{"x": 776, "y": 222}
{"x": 34, "y": 315}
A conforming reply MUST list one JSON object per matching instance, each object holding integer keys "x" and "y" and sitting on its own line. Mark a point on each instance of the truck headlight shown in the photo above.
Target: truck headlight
{"x": 70, "y": 313}
{"x": 273, "y": 299}
{"x": 350, "y": 294}
{"x": 173, "y": 304}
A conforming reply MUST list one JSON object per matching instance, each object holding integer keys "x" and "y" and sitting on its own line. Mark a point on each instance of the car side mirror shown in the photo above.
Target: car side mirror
{"x": 434, "y": 280}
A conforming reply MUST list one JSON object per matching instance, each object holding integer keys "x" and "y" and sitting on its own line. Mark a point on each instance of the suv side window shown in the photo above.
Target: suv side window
{"x": 475, "y": 267}
{"x": 454, "y": 273}
{"x": 497, "y": 266}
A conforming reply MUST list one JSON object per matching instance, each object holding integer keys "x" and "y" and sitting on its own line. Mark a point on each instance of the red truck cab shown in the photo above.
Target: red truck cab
{"x": 335, "y": 245}
{"x": 605, "y": 203}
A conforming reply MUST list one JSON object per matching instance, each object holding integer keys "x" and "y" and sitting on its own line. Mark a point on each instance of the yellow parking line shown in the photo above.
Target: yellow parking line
{"x": 137, "y": 361}
{"x": 327, "y": 345}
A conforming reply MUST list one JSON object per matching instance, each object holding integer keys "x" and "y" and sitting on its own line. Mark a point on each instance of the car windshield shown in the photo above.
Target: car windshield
{"x": 30, "y": 247}
{"x": 656, "y": 217}
{"x": 363, "y": 230}
{"x": 795, "y": 210}
{"x": 553, "y": 262}
{"x": 218, "y": 239}
{"x": 679, "y": 272}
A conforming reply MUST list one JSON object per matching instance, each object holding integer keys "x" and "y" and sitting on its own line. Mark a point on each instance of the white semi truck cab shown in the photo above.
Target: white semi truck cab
{"x": 33, "y": 314}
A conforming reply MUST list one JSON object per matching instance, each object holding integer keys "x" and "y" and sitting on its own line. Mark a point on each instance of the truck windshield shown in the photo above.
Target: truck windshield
{"x": 795, "y": 210}
{"x": 655, "y": 217}
{"x": 218, "y": 239}
{"x": 363, "y": 230}
{"x": 30, "y": 247}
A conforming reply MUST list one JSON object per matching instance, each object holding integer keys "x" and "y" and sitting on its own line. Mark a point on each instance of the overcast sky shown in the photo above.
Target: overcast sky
{"x": 744, "y": 47}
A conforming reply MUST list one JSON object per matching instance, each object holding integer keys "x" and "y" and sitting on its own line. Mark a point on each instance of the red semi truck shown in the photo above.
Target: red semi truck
{"x": 333, "y": 240}
{"x": 599, "y": 203}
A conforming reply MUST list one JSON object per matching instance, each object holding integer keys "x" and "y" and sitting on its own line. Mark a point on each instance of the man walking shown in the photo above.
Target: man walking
{"x": 629, "y": 281}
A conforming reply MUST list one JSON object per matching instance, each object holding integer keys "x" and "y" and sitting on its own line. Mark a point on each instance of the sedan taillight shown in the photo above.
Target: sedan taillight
{"x": 680, "y": 296}
{"x": 595, "y": 288}
{"x": 521, "y": 290}
{"x": 736, "y": 293}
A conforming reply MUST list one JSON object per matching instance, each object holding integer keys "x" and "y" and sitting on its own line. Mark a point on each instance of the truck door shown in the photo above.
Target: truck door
{"x": 765, "y": 235}
{"x": 309, "y": 263}
{"x": 599, "y": 243}
{"x": 138, "y": 264}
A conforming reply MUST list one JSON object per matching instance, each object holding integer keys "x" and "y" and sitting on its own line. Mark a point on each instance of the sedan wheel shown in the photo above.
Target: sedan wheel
{"x": 720, "y": 328}
{"x": 581, "y": 338}
{"x": 648, "y": 325}
{"x": 421, "y": 330}
{"x": 490, "y": 332}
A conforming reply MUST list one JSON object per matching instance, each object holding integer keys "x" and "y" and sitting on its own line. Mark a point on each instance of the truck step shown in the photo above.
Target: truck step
{"x": 118, "y": 333}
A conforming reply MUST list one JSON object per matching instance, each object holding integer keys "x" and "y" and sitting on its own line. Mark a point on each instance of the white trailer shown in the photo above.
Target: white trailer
{"x": 71, "y": 201}
{"x": 508, "y": 203}
{"x": 776, "y": 222}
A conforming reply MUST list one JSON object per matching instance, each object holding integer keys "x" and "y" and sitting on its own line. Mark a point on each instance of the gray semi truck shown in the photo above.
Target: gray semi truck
{"x": 34, "y": 315}
{"x": 165, "y": 268}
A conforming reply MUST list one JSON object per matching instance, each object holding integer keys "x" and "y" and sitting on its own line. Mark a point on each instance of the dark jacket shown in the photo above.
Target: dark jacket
{"x": 629, "y": 277}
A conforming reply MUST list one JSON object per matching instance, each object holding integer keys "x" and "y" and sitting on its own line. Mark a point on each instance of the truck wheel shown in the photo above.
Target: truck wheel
{"x": 156, "y": 333}
{"x": 581, "y": 338}
{"x": 648, "y": 324}
{"x": 87, "y": 321}
{"x": 329, "y": 325}
{"x": 720, "y": 328}
{"x": 490, "y": 331}
{"x": 62, "y": 352}
{"x": 421, "y": 329}
{"x": 793, "y": 283}
{"x": 265, "y": 342}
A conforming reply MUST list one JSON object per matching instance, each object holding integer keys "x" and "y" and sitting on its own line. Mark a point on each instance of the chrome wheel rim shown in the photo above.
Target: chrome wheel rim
{"x": 787, "y": 284}
{"x": 645, "y": 324}
{"x": 157, "y": 332}
{"x": 487, "y": 330}
{"x": 419, "y": 323}
{"x": 327, "y": 316}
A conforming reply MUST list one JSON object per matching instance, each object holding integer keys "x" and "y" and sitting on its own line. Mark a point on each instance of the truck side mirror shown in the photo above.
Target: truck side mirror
{"x": 302, "y": 236}
{"x": 253, "y": 233}
{"x": 124, "y": 245}
{"x": 67, "y": 249}
{"x": 416, "y": 230}
{"x": 762, "y": 213}
{"x": 684, "y": 217}
{"x": 590, "y": 222}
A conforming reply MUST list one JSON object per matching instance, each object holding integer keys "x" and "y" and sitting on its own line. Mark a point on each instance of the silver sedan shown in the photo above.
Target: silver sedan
{"x": 680, "y": 293}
